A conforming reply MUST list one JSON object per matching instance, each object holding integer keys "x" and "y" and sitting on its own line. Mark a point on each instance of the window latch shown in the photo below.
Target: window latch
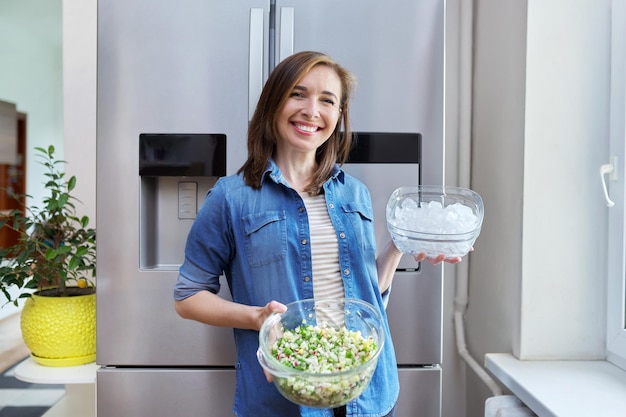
{"x": 609, "y": 169}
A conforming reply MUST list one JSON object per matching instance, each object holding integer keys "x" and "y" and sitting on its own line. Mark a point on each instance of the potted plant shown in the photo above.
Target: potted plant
{"x": 52, "y": 266}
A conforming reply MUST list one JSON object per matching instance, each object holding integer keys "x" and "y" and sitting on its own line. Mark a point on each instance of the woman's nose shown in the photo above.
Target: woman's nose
{"x": 310, "y": 109}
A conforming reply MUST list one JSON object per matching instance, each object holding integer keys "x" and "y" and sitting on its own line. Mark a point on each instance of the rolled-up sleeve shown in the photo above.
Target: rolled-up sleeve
{"x": 185, "y": 288}
{"x": 207, "y": 249}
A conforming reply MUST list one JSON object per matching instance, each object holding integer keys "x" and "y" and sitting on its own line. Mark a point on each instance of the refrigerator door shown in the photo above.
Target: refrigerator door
{"x": 165, "y": 392}
{"x": 164, "y": 68}
{"x": 415, "y": 316}
{"x": 396, "y": 51}
{"x": 208, "y": 393}
{"x": 420, "y": 392}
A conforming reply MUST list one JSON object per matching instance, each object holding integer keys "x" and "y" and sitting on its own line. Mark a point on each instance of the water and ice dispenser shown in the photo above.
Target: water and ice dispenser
{"x": 176, "y": 171}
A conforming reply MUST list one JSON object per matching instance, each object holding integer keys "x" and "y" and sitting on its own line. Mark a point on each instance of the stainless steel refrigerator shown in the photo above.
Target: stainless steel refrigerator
{"x": 177, "y": 84}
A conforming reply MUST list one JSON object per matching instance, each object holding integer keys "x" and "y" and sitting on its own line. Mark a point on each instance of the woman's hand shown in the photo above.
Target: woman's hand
{"x": 269, "y": 308}
{"x": 264, "y": 312}
{"x": 439, "y": 259}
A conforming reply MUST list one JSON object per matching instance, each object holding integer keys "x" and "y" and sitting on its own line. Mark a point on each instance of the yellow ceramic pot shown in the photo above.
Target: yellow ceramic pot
{"x": 60, "y": 331}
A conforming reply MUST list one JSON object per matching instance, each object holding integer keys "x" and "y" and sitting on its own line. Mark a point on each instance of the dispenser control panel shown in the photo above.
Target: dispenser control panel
{"x": 187, "y": 200}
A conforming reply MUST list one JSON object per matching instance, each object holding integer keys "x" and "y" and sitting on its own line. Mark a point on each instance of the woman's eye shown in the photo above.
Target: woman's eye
{"x": 296, "y": 94}
{"x": 329, "y": 101}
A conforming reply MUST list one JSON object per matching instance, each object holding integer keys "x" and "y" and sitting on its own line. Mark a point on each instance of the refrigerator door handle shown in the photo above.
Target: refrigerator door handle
{"x": 255, "y": 74}
{"x": 286, "y": 32}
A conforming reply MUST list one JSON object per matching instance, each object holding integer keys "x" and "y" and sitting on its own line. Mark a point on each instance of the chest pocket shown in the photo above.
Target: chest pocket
{"x": 265, "y": 237}
{"x": 361, "y": 217}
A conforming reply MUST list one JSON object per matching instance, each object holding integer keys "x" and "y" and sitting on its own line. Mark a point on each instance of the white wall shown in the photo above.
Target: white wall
{"x": 457, "y": 25}
{"x": 79, "y": 96}
{"x": 540, "y": 134}
{"x": 497, "y": 175}
{"x": 48, "y": 50}
{"x": 567, "y": 97}
{"x": 30, "y": 77}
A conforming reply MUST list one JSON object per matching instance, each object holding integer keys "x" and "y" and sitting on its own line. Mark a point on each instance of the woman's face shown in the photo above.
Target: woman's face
{"x": 310, "y": 114}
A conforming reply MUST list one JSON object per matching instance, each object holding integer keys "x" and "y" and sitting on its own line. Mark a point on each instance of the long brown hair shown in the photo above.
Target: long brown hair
{"x": 262, "y": 131}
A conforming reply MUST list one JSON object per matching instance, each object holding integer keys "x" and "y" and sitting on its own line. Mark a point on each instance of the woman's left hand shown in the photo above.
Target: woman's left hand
{"x": 439, "y": 259}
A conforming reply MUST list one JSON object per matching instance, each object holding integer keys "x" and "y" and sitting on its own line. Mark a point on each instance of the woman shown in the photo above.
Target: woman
{"x": 290, "y": 225}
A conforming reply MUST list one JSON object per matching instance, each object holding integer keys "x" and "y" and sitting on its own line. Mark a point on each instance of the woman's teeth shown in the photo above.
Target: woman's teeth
{"x": 309, "y": 129}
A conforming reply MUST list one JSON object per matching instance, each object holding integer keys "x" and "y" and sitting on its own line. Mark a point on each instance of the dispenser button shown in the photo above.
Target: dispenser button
{"x": 187, "y": 200}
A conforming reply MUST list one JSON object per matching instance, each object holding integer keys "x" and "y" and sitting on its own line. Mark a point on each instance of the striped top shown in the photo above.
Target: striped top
{"x": 327, "y": 282}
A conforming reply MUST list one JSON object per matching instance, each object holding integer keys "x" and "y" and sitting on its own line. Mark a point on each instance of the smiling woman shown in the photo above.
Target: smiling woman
{"x": 297, "y": 123}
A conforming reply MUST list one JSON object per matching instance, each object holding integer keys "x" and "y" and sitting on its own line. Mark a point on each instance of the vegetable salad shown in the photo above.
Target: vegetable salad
{"x": 324, "y": 351}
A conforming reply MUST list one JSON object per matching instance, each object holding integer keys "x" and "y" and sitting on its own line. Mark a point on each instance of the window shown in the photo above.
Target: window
{"x": 613, "y": 175}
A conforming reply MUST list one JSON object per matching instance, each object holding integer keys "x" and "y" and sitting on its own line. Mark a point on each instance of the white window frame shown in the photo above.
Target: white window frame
{"x": 616, "y": 287}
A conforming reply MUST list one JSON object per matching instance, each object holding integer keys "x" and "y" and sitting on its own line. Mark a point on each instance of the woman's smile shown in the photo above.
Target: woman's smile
{"x": 308, "y": 128}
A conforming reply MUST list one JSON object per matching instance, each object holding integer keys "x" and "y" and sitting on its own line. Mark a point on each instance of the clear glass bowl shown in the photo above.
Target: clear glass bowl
{"x": 434, "y": 219}
{"x": 322, "y": 390}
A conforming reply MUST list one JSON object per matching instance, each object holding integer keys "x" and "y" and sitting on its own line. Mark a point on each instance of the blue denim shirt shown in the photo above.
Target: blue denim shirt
{"x": 259, "y": 239}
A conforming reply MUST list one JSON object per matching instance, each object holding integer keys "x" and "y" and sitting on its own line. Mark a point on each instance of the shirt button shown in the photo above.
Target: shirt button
{"x": 346, "y": 272}
{"x": 301, "y": 209}
{"x": 303, "y": 241}
{"x": 331, "y": 205}
{"x": 342, "y": 235}
{"x": 307, "y": 279}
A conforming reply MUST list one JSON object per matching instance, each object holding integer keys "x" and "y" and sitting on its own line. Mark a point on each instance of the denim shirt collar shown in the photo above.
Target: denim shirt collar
{"x": 273, "y": 172}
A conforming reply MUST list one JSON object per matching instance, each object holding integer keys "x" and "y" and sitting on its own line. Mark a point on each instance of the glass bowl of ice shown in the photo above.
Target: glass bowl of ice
{"x": 434, "y": 219}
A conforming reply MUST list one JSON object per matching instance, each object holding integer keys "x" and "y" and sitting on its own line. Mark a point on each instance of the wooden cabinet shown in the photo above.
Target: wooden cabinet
{"x": 13, "y": 178}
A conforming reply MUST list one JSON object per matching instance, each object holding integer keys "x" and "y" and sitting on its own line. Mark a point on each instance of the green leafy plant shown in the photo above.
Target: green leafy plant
{"x": 55, "y": 253}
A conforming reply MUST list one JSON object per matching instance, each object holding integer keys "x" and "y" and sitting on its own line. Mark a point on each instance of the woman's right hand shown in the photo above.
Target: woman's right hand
{"x": 269, "y": 308}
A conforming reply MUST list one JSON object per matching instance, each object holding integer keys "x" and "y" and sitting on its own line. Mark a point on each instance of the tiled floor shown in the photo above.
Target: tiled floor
{"x": 18, "y": 398}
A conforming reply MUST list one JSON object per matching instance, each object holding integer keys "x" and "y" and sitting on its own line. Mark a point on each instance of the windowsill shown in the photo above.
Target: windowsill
{"x": 562, "y": 388}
